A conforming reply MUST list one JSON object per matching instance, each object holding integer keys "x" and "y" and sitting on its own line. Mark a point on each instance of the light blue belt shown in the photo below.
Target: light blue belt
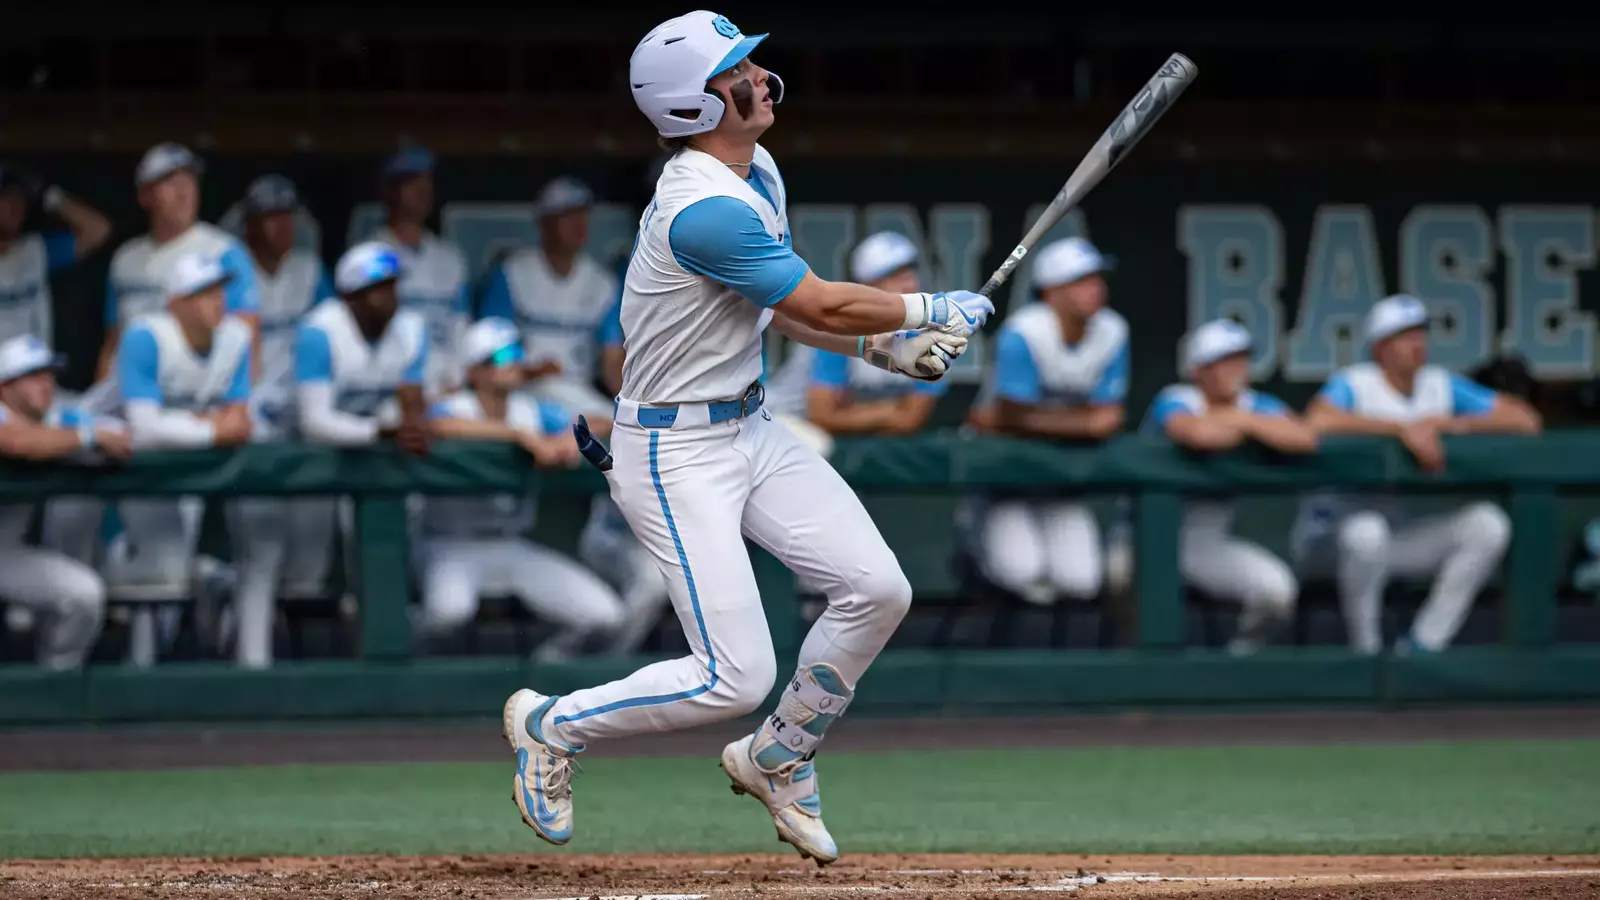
{"x": 720, "y": 411}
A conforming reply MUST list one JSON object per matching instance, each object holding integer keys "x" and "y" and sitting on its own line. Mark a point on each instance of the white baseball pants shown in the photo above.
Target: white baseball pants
{"x": 161, "y": 534}
{"x": 277, "y": 543}
{"x": 692, "y": 494}
{"x": 1461, "y": 549}
{"x": 1226, "y": 567}
{"x": 72, "y": 526}
{"x": 67, "y": 597}
{"x": 1039, "y": 549}
{"x": 456, "y": 572}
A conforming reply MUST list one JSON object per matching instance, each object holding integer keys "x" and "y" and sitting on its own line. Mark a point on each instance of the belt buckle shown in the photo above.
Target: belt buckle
{"x": 757, "y": 391}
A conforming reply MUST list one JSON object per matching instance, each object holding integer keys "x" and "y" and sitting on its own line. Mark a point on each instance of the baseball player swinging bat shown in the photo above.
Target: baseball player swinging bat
{"x": 1135, "y": 121}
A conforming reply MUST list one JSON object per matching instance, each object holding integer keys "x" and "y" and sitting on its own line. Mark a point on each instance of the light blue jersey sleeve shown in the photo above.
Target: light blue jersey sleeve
{"x": 1168, "y": 403}
{"x": 239, "y": 387}
{"x": 1113, "y": 384}
{"x": 723, "y": 239}
{"x": 419, "y": 364}
{"x": 1468, "y": 398}
{"x": 60, "y": 250}
{"x": 497, "y": 297}
{"x": 830, "y": 370}
{"x": 1268, "y": 405}
{"x": 242, "y": 295}
{"x": 313, "y": 357}
{"x": 1338, "y": 393}
{"x": 609, "y": 334}
{"x": 554, "y": 418}
{"x": 1016, "y": 374}
{"x": 138, "y": 365}
{"x": 324, "y": 287}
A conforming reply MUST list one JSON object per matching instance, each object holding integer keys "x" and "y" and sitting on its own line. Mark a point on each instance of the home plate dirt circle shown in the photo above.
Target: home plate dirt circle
{"x": 696, "y": 877}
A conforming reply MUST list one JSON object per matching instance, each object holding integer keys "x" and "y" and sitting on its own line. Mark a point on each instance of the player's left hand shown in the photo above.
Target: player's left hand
{"x": 959, "y": 313}
{"x": 924, "y": 355}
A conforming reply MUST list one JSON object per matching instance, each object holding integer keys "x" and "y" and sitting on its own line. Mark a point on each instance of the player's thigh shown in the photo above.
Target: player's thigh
{"x": 158, "y": 524}
{"x": 801, "y": 511}
{"x": 1230, "y": 568}
{"x": 46, "y": 579}
{"x": 560, "y": 588}
{"x": 683, "y": 494}
{"x": 453, "y": 571}
{"x": 1419, "y": 547}
{"x": 1012, "y": 542}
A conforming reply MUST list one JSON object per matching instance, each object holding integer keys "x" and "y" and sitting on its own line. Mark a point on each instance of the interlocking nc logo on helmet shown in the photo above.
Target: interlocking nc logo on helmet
{"x": 724, "y": 27}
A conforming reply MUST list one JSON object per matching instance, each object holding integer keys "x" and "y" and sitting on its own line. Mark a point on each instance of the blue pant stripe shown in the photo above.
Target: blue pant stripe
{"x": 694, "y": 603}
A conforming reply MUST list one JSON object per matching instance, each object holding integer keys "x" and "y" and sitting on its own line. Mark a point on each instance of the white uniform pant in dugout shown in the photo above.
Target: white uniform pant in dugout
{"x": 1039, "y": 549}
{"x": 281, "y": 546}
{"x": 67, "y": 598}
{"x": 457, "y": 571}
{"x": 1461, "y": 550}
{"x": 692, "y": 494}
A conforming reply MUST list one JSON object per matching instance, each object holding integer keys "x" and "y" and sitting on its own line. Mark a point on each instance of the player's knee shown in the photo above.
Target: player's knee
{"x": 1079, "y": 577}
{"x": 1364, "y": 536}
{"x": 746, "y": 683}
{"x": 84, "y": 594}
{"x": 1278, "y": 590}
{"x": 449, "y": 608}
{"x": 888, "y": 592}
{"x": 1486, "y": 528}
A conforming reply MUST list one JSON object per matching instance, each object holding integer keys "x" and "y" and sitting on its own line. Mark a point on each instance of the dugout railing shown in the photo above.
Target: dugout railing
{"x": 384, "y": 681}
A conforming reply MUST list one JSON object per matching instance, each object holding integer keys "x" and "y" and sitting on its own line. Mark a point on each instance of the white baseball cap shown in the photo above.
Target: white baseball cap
{"x": 669, "y": 70}
{"x": 1068, "y": 260}
{"x": 494, "y": 339}
{"x": 162, "y": 160}
{"x": 881, "y": 254}
{"x": 1216, "y": 339}
{"x": 562, "y": 195}
{"x": 1394, "y": 314}
{"x": 192, "y": 273}
{"x": 365, "y": 265}
{"x": 25, "y": 355}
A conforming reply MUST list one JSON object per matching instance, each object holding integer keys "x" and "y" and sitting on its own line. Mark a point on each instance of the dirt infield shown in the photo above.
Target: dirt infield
{"x": 784, "y": 878}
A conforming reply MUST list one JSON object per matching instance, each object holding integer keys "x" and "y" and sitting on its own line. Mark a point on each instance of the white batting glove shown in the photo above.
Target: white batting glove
{"x": 958, "y": 313}
{"x": 923, "y": 355}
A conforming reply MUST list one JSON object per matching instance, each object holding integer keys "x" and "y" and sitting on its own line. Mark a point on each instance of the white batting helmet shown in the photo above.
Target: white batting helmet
{"x": 670, "y": 67}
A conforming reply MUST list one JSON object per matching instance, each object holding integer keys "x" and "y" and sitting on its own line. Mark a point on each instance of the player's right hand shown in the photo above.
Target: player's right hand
{"x": 114, "y": 443}
{"x": 1422, "y": 439}
{"x": 959, "y": 313}
{"x": 553, "y": 452}
{"x": 232, "y": 426}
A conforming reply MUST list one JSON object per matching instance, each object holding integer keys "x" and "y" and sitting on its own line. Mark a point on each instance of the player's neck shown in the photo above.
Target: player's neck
{"x": 1219, "y": 401}
{"x": 559, "y": 261}
{"x": 1404, "y": 381}
{"x": 163, "y": 230}
{"x": 493, "y": 404}
{"x": 408, "y": 233}
{"x": 736, "y": 155}
{"x": 198, "y": 338}
{"x": 267, "y": 259}
{"x": 1073, "y": 326}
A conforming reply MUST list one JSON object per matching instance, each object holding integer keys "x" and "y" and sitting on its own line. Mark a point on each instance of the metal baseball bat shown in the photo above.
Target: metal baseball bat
{"x": 1135, "y": 121}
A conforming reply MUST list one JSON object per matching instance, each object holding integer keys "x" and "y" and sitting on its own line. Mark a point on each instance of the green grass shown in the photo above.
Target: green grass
{"x": 1490, "y": 797}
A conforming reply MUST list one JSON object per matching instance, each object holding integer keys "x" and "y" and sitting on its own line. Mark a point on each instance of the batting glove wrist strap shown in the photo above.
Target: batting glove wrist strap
{"x": 919, "y": 311}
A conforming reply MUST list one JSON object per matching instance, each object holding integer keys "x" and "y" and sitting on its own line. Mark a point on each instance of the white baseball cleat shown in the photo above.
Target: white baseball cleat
{"x": 790, "y": 793}
{"x": 542, "y": 788}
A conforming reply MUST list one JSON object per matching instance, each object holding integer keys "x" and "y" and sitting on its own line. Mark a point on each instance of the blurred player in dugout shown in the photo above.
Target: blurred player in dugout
{"x": 566, "y": 305}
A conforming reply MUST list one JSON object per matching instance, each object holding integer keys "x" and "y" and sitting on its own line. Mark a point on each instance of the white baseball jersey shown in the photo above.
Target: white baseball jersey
{"x": 704, "y": 275}
{"x": 433, "y": 283}
{"x": 1034, "y": 365}
{"x": 565, "y": 319}
{"x": 331, "y": 349}
{"x": 300, "y": 282}
{"x": 134, "y": 283}
{"x": 501, "y": 515}
{"x": 1186, "y": 399}
{"x": 157, "y": 363}
{"x": 25, "y": 269}
{"x": 1362, "y": 390}
{"x": 15, "y": 517}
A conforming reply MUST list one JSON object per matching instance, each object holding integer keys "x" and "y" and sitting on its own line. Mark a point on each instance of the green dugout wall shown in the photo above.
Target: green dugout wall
{"x": 1529, "y": 664}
